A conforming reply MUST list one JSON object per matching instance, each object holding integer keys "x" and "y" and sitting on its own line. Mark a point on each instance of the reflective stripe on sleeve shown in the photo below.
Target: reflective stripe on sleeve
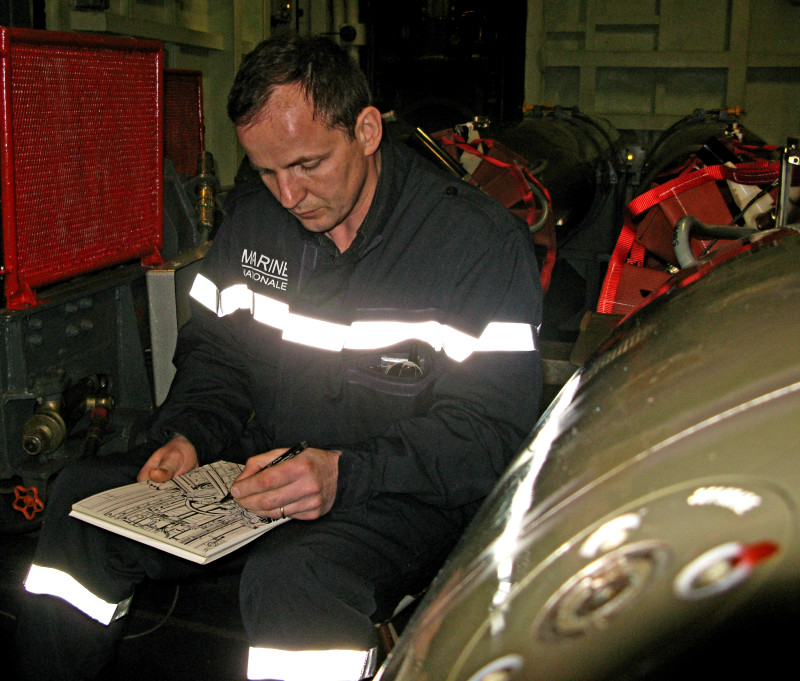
{"x": 360, "y": 335}
{"x": 311, "y": 665}
{"x": 52, "y": 582}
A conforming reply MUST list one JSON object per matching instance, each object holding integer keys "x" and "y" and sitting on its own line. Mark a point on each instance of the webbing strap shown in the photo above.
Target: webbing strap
{"x": 628, "y": 250}
{"x": 619, "y": 256}
{"x": 757, "y": 172}
{"x": 520, "y": 174}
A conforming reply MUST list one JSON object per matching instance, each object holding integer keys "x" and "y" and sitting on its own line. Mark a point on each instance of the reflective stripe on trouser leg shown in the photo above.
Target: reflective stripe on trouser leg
{"x": 311, "y": 665}
{"x": 52, "y": 582}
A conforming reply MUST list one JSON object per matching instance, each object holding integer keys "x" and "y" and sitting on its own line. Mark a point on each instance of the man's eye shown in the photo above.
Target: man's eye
{"x": 261, "y": 172}
{"x": 309, "y": 166}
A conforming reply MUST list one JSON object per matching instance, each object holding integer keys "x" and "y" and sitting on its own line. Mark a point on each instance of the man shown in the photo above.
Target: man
{"x": 356, "y": 299}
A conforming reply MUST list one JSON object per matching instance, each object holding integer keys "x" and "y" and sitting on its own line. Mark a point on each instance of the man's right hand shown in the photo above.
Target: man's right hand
{"x": 176, "y": 457}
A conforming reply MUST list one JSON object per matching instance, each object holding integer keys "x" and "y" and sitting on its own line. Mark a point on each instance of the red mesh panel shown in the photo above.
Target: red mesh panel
{"x": 81, "y": 156}
{"x": 183, "y": 119}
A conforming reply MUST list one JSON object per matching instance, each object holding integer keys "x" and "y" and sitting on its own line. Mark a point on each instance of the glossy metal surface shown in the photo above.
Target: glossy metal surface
{"x": 656, "y": 499}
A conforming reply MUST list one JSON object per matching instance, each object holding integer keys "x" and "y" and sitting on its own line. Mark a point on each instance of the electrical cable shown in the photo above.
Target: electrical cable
{"x": 147, "y": 632}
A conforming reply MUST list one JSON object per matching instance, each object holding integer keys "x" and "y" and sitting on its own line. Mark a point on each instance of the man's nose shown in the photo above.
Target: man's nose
{"x": 290, "y": 190}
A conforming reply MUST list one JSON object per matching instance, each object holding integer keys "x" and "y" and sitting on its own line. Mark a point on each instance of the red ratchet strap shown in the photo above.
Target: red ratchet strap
{"x": 27, "y": 501}
{"x": 521, "y": 175}
{"x": 752, "y": 150}
{"x": 548, "y": 264}
{"x": 627, "y": 250}
{"x": 529, "y": 176}
{"x": 757, "y": 172}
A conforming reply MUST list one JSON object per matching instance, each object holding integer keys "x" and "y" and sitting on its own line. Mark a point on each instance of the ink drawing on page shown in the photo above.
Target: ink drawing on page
{"x": 184, "y": 516}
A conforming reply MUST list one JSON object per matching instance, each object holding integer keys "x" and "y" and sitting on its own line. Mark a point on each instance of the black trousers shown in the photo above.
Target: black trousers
{"x": 306, "y": 585}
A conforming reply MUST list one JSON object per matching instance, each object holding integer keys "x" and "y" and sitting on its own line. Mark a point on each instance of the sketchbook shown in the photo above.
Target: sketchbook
{"x": 184, "y": 516}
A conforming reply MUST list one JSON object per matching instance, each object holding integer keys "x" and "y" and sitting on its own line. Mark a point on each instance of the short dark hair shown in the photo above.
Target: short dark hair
{"x": 330, "y": 79}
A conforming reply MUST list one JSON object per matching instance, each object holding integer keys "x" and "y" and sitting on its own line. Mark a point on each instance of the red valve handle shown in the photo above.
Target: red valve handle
{"x": 27, "y": 501}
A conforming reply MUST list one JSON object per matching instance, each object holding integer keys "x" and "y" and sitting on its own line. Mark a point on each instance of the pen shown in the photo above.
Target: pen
{"x": 290, "y": 453}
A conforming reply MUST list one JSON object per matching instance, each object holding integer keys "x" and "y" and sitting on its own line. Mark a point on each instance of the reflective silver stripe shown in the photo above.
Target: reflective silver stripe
{"x": 360, "y": 335}
{"x": 311, "y": 665}
{"x": 52, "y": 582}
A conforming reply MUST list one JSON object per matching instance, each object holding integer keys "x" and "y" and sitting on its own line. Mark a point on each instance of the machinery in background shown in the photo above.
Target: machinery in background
{"x": 706, "y": 180}
{"x": 580, "y": 174}
{"x": 565, "y": 174}
{"x": 89, "y": 206}
{"x": 648, "y": 528}
{"x": 681, "y": 141}
{"x": 569, "y": 176}
{"x": 582, "y": 163}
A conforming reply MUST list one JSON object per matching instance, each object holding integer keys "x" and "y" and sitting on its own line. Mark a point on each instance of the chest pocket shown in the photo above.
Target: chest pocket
{"x": 345, "y": 397}
{"x": 383, "y": 386}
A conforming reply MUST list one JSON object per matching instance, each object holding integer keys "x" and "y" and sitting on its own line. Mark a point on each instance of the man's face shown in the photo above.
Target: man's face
{"x": 318, "y": 173}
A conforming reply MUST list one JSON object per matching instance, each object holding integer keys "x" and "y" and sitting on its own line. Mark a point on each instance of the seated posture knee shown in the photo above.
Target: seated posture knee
{"x": 304, "y": 611}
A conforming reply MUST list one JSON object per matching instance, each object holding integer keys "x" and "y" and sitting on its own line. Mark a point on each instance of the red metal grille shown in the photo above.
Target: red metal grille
{"x": 183, "y": 119}
{"x": 81, "y": 156}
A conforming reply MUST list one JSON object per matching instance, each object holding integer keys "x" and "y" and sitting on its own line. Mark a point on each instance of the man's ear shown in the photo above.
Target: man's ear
{"x": 369, "y": 129}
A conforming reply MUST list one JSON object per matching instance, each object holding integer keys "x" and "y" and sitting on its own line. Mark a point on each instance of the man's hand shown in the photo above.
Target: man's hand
{"x": 175, "y": 458}
{"x": 303, "y": 487}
